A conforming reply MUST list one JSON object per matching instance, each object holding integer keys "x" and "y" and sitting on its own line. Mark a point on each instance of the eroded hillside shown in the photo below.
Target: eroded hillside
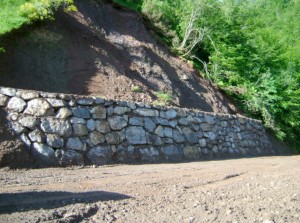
{"x": 106, "y": 51}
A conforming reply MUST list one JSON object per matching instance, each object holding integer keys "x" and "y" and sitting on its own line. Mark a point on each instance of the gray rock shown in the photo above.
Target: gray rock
{"x": 172, "y": 153}
{"x": 54, "y": 141}
{"x": 178, "y": 137}
{"x": 162, "y": 121}
{"x": 131, "y": 105}
{"x": 13, "y": 116}
{"x": 195, "y": 127}
{"x": 149, "y": 124}
{"x": 76, "y": 144}
{"x": 45, "y": 155}
{"x": 98, "y": 112}
{"x": 136, "y": 135}
{"x": 224, "y": 124}
{"x": 149, "y": 154}
{"x": 136, "y": 121}
{"x": 72, "y": 103}
{"x": 56, "y": 126}
{"x": 190, "y": 136}
{"x": 117, "y": 122}
{"x": 8, "y": 91}
{"x": 159, "y": 131}
{"x": 147, "y": 112}
{"x": 96, "y": 138}
{"x": 48, "y": 95}
{"x": 202, "y": 142}
{"x": 85, "y": 101}
{"x": 91, "y": 125}
{"x": 16, "y": 104}
{"x": 173, "y": 123}
{"x": 70, "y": 158}
{"x": 170, "y": 114}
{"x": 56, "y": 103}
{"x": 99, "y": 101}
{"x": 3, "y": 100}
{"x": 39, "y": 107}
{"x": 100, "y": 155}
{"x": 205, "y": 127}
{"x": 35, "y": 136}
{"x": 75, "y": 120}
{"x": 17, "y": 127}
{"x": 191, "y": 152}
{"x": 110, "y": 111}
{"x": 181, "y": 113}
{"x": 28, "y": 121}
{"x": 215, "y": 149}
{"x": 168, "y": 132}
{"x": 121, "y": 110}
{"x": 28, "y": 95}
{"x": 63, "y": 113}
{"x": 211, "y": 135}
{"x": 25, "y": 139}
{"x": 79, "y": 130}
{"x": 205, "y": 151}
{"x": 81, "y": 112}
{"x": 209, "y": 119}
{"x": 125, "y": 153}
{"x": 168, "y": 140}
{"x": 114, "y": 138}
{"x": 154, "y": 140}
{"x": 102, "y": 126}
{"x": 183, "y": 121}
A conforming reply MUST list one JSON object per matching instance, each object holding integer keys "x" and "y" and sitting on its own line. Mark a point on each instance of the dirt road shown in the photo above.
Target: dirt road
{"x": 242, "y": 190}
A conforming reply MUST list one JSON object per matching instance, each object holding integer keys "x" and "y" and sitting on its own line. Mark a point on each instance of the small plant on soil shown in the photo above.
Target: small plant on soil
{"x": 136, "y": 89}
{"x": 163, "y": 98}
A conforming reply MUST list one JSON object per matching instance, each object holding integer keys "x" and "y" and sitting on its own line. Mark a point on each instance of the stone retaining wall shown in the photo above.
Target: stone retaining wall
{"x": 62, "y": 129}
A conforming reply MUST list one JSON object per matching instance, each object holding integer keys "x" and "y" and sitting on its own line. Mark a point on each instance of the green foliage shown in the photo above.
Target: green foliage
{"x": 44, "y": 9}
{"x": 9, "y": 15}
{"x": 163, "y": 98}
{"x": 136, "y": 89}
{"x": 132, "y": 4}
{"x": 251, "y": 49}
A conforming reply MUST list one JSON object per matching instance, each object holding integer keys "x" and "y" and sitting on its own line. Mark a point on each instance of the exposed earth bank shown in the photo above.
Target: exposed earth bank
{"x": 105, "y": 51}
{"x": 240, "y": 190}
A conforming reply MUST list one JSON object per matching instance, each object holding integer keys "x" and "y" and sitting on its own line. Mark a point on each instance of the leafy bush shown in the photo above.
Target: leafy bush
{"x": 251, "y": 49}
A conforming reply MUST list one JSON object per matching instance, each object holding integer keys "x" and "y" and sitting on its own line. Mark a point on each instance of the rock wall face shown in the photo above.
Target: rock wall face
{"x": 62, "y": 129}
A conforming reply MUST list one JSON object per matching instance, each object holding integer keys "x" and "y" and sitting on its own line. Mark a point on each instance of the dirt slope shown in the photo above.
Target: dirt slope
{"x": 244, "y": 190}
{"x": 101, "y": 50}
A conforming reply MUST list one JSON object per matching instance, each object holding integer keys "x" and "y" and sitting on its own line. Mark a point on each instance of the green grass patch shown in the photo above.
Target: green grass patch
{"x": 10, "y": 17}
{"x": 136, "y": 89}
{"x": 163, "y": 98}
{"x": 131, "y": 4}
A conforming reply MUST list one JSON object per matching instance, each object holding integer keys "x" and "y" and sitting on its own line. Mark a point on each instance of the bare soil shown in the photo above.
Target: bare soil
{"x": 105, "y": 51}
{"x": 242, "y": 190}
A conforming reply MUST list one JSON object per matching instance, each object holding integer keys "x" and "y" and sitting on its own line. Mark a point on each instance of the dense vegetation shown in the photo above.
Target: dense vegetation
{"x": 249, "y": 48}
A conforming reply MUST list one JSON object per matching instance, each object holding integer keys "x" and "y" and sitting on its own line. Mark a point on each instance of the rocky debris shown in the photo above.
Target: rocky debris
{"x": 132, "y": 132}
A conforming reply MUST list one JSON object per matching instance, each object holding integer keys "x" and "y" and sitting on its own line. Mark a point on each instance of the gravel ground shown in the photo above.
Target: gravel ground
{"x": 264, "y": 189}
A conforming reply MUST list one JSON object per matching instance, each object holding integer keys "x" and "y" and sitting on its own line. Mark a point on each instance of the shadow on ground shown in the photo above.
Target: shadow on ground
{"x": 26, "y": 201}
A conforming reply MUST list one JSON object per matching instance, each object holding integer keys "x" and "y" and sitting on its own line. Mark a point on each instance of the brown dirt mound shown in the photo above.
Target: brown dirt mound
{"x": 13, "y": 152}
{"x": 101, "y": 50}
